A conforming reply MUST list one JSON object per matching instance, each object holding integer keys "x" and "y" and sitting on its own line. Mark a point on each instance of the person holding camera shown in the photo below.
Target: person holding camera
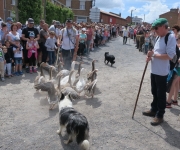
{"x": 70, "y": 42}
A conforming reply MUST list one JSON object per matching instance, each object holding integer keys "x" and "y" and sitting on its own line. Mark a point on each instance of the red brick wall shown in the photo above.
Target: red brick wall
{"x": 171, "y": 16}
{"x": 1, "y": 9}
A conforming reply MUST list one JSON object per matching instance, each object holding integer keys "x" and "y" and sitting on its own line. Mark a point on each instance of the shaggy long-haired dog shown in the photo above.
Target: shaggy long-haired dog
{"x": 75, "y": 123}
{"x": 109, "y": 58}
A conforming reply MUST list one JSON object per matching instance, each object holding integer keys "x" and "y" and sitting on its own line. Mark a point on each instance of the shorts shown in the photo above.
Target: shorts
{"x": 18, "y": 61}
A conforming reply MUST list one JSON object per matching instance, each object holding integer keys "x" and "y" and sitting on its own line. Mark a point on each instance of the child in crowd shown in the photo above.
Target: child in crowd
{"x": 147, "y": 42}
{"x": 8, "y": 60}
{"x": 18, "y": 56}
{"x": 32, "y": 47}
{"x": 50, "y": 44}
{"x": 2, "y": 61}
{"x": 11, "y": 53}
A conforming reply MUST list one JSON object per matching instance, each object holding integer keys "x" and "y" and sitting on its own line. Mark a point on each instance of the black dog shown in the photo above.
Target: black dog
{"x": 109, "y": 58}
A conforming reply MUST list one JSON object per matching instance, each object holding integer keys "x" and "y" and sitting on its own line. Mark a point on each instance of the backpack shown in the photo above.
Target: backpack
{"x": 173, "y": 62}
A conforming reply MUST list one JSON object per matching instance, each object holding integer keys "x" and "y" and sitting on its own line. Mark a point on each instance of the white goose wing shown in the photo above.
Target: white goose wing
{"x": 80, "y": 84}
{"x": 64, "y": 81}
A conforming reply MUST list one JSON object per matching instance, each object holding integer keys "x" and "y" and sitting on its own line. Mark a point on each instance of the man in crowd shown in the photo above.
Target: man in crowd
{"x": 160, "y": 67}
{"x": 70, "y": 43}
{"x": 25, "y": 38}
{"x": 9, "y": 23}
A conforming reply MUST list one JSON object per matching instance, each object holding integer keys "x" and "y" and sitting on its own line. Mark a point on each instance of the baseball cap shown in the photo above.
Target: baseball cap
{"x": 83, "y": 29}
{"x": 30, "y": 20}
{"x": 31, "y": 34}
{"x": 57, "y": 23}
{"x": 9, "y": 19}
{"x": 69, "y": 20}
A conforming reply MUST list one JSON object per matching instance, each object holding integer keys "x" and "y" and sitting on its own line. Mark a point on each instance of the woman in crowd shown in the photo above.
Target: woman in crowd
{"x": 13, "y": 34}
{"x": 175, "y": 84}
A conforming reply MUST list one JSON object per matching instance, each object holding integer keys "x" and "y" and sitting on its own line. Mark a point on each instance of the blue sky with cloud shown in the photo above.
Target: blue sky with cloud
{"x": 151, "y": 9}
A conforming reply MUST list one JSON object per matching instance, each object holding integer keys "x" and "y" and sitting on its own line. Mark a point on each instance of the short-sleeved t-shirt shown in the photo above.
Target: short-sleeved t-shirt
{"x": 13, "y": 36}
{"x": 18, "y": 54}
{"x": 27, "y": 30}
{"x": 68, "y": 41}
{"x": 43, "y": 33}
{"x": 82, "y": 36}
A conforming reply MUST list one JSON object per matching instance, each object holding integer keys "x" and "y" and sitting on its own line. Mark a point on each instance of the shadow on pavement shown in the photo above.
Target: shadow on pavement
{"x": 175, "y": 111}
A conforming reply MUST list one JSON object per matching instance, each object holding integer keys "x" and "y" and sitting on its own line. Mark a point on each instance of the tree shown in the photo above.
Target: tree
{"x": 30, "y": 9}
{"x": 55, "y": 12}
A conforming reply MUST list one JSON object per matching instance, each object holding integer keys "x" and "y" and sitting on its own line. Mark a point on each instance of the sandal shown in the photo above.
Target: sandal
{"x": 174, "y": 102}
{"x": 168, "y": 105}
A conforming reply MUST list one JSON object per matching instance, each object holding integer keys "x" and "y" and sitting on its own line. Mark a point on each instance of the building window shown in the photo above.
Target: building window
{"x": 13, "y": 2}
{"x": 82, "y": 5}
{"x": 68, "y": 3}
{"x": 12, "y": 14}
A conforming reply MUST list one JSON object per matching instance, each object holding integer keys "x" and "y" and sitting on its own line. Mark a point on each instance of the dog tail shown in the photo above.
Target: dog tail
{"x": 85, "y": 145}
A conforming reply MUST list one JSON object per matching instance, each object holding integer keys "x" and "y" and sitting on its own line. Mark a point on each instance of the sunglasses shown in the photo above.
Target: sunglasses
{"x": 173, "y": 29}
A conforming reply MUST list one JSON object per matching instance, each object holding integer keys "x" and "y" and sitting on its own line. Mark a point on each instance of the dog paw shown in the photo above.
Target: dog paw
{"x": 59, "y": 132}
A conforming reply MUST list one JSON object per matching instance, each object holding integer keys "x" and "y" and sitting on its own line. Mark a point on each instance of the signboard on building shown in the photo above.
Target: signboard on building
{"x": 94, "y": 14}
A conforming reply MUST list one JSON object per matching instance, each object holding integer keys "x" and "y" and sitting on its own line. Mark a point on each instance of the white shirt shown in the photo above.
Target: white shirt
{"x": 13, "y": 36}
{"x": 68, "y": 42}
{"x": 125, "y": 32}
{"x": 20, "y": 32}
{"x": 18, "y": 54}
{"x": 159, "y": 66}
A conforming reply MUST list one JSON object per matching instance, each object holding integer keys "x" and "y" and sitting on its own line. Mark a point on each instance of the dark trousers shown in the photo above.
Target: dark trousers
{"x": 158, "y": 89}
{"x": 81, "y": 49}
{"x": 32, "y": 60}
{"x": 124, "y": 39}
{"x": 67, "y": 58}
{"x": 44, "y": 52}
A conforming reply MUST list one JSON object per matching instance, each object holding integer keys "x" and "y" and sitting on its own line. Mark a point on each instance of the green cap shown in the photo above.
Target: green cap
{"x": 159, "y": 22}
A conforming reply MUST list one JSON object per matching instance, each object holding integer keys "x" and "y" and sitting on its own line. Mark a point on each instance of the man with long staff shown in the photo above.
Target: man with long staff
{"x": 160, "y": 68}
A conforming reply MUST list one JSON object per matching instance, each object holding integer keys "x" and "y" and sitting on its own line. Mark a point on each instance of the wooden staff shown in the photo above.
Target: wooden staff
{"x": 140, "y": 88}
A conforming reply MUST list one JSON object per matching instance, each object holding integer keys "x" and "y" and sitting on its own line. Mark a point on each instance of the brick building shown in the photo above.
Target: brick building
{"x": 108, "y": 18}
{"x": 8, "y": 8}
{"x": 173, "y": 16}
{"x": 80, "y": 8}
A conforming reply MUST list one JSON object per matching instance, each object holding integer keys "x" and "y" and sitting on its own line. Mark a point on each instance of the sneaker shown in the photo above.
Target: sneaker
{"x": 30, "y": 72}
{"x": 16, "y": 74}
{"x": 168, "y": 105}
{"x": 27, "y": 70}
{"x": 2, "y": 79}
{"x": 35, "y": 71}
{"x": 12, "y": 75}
{"x": 156, "y": 121}
{"x": 149, "y": 113}
{"x": 20, "y": 73}
{"x": 174, "y": 102}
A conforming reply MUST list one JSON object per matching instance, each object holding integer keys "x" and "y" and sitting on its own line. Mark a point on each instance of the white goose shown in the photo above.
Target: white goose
{"x": 79, "y": 87}
{"x": 64, "y": 73}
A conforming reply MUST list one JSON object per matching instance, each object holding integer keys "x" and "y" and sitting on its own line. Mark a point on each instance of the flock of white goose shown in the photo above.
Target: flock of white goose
{"x": 69, "y": 82}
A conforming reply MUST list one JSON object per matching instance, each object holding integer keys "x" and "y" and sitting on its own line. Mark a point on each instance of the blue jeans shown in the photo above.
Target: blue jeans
{"x": 146, "y": 48}
{"x": 158, "y": 89}
{"x": 18, "y": 61}
{"x": 88, "y": 43}
{"x": 67, "y": 58}
{"x": 52, "y": 58}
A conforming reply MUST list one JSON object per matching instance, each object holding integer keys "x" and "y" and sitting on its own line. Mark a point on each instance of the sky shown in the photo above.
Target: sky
{"x": 148, "y": 10}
